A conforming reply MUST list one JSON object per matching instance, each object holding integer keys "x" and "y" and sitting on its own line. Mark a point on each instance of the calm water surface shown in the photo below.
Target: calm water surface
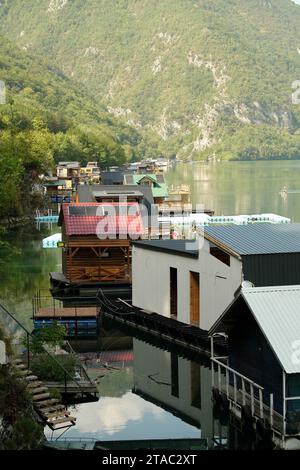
{"x": 151, "y": 392}
{"x": 234, "y": 188}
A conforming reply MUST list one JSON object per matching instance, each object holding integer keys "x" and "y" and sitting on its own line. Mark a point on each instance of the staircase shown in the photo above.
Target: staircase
{"x": 51, "y": 410}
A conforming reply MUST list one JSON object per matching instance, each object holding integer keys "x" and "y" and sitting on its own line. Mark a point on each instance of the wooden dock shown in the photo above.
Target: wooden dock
{"x": 78, "y": 320}
{"x": 66, "y": 312}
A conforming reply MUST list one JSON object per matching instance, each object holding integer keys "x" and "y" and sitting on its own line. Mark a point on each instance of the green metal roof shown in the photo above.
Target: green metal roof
{"x": 159, "y": 189}
{"x": 55, "y": 183}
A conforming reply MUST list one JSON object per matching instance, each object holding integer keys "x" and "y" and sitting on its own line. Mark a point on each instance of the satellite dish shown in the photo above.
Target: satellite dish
{"x": 247, "y": 284}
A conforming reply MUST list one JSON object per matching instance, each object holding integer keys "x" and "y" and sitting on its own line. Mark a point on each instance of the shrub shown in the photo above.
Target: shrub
{"x": 48, "y": 369}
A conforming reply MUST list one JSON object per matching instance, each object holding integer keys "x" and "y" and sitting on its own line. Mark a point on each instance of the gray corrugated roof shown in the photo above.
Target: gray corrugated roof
{"x": 185, "y": 248}
{"x": 258, "y": 238}
{"x": 277, "y": 313}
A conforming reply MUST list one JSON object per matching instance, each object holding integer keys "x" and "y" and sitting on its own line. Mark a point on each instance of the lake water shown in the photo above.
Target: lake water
{"x": 234, "y": 188}
{"x": 147, "y": 391}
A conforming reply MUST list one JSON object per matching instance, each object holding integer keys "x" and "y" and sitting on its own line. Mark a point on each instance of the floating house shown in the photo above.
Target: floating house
{"x": 90, "y": 173}
{"x": 111, "y": 193}
{"x": 195, "y": 281}
{"x": 141, "y": 195}
{"x": 67, "y": 170}
{"x": 155, "y": 181}
{"x": 55, "y": 187}
{"x": 262, "y": 369}
{"x": 96, "y": 241}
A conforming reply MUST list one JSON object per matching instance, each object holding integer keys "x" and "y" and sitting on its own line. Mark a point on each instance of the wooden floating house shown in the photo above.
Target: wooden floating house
{"x": 96, "y": 239}
{"x": 262, "y": 370}
{"x": 195, "y": 281}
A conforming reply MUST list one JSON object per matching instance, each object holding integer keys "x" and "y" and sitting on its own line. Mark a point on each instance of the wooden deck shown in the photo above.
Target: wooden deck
{"x": 86, "y": 387}
{"x": 66, "y": 312}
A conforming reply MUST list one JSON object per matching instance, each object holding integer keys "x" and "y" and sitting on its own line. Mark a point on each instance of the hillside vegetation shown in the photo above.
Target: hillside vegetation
{"x": 199, "y": 78}
{"x": 47, "y": 118}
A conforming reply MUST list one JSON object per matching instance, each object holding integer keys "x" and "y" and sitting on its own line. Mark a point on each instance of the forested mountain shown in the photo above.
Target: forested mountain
{"x": 48, "y": 118}
{"x": 198, "y": 77}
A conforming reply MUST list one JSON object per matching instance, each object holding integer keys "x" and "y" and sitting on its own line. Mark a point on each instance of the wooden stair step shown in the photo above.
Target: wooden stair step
{"x": 30, "y": 378}
{"x": 44, "y": 404}
{"x": 52, "y": 409}
{"x": 20, "y": 366}
{"x": 70, "y": 419}
{"x": 25, "y": 372}
{"x": 17, "y": 361}
{"x": 39, "y": 390}
{"x": 57, "y": 414}
{"x": 41, "y": 396}
{"x": 34, "y": 384}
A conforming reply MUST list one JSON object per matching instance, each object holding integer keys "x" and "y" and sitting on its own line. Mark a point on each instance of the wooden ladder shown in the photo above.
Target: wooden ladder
{"x": 51, "y": 410}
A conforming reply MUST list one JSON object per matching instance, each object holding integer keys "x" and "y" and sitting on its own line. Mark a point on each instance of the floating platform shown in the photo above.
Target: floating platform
{"x": 80, "y": 321}
{"x": 65, "y": 290}
{"x": 52, "y": 241}
{"x": 47, "y": 218}
{"x": 66, "y": 312}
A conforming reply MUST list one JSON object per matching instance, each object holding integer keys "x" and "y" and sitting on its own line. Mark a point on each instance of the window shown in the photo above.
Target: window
{"x": 220, "y": 255}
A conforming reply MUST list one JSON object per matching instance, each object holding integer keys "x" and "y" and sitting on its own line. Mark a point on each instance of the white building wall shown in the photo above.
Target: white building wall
{"x": 151, "y": 283}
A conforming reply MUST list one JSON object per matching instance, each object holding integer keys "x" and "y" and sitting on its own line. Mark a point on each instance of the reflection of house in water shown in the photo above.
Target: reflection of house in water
{"x": 176, "y": 384}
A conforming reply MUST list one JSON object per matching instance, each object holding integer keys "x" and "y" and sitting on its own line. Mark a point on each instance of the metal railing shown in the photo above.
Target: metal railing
{"x": 45, "y": 301}
{"x": 239, "y": 388}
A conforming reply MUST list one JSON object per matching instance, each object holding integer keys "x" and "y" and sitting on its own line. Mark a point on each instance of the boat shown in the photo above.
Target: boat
{"x": 283, "y": 191}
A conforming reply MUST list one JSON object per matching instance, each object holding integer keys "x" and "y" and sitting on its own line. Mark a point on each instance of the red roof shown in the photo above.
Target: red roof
{"x": 102, "y": 219}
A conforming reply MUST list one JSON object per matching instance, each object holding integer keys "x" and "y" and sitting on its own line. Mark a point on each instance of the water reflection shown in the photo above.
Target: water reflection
{"x": 147, "y": 392}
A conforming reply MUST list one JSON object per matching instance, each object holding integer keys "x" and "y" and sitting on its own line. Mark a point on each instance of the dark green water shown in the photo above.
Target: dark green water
{"x": 234, "y": 188}
{"x": 141, "y": 397}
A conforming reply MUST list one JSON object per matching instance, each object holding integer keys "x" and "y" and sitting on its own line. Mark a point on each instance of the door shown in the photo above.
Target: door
{"x": 194, "y": 298}
{"x": 173, "y": 293}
